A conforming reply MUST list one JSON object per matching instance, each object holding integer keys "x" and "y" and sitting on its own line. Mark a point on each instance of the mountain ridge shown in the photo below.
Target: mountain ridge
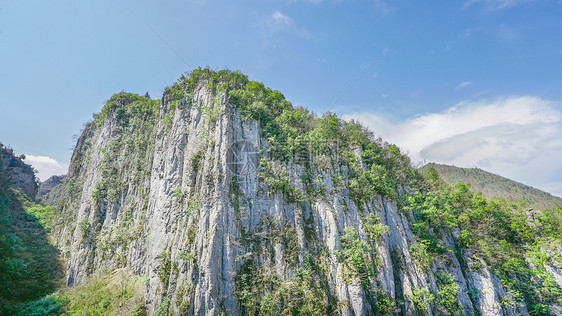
{"x": 492, "y": 185}
{"x": 229, "y": 200}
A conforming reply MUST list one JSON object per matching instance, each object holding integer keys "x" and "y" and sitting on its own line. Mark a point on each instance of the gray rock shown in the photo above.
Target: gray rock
{"x": 20, "y": 174}
{"x": 183, "y": 215}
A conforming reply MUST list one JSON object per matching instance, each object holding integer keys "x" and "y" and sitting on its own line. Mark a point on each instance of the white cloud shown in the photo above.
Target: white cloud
{"x": 517, "y": 137}
{"x": 46, "y": 166}
{"x": 463, "y": 85}
{"x": 280, "y": 20}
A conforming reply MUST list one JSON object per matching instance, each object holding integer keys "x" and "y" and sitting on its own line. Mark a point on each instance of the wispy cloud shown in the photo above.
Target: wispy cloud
{"x": 278, "y": 22}
{"x": 518, "y": 137}
{"x": 463, "y": 85}
{"x": 492, "y": 5}
{"x": 46, "y": 166}
{"x": 500, "y": 32}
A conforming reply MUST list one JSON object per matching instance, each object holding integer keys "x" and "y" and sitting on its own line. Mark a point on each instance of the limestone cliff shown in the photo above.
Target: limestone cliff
{"x": 229, "y": 200}
{"x": 19, "y": 174}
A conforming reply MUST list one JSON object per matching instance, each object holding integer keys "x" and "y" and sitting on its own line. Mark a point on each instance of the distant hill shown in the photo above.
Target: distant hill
{"x": 50, "y": 190}
{"x": 495, "y": 185}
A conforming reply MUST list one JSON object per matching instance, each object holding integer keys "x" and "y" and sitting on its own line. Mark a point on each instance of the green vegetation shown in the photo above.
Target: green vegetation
{"x": 422, "y": 299}
{"x": 355, "y": 255}
{"x": 163, "y": 309}
{"x": 107, "y": 293}
{"x": 492, "y": 185}
{"x": 505, "y": 234}
{"x": 44, "y": 215}
{"x": 136, "y": 121}
{"x": 348, "y": 153}
{"x": 262, "y": 292}
{"x": 277, "y": 179}
{"x": 29, "y": 267}
{"x": 385, "y": 305}
{"x": 165, "y": 268}
{"x": 448, "y": 293}
{"x": 374, "y": 229}
{"x": 279, "y": 274}
{"x": 293, "y": 134}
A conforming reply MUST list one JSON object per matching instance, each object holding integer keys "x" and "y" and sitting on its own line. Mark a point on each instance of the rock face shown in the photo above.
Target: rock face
{"x": 189, "y": 193}
{"x": 50, "y": 189}
{"x": 19, "y": 174}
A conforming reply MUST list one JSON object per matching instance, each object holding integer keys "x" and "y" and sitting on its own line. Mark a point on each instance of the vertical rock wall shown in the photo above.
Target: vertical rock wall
{"x": 187, "y": 205}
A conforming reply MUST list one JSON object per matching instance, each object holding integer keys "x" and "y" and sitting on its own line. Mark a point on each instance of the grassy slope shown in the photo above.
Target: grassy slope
{"x": 30, "y": 271}
{"x": 29, "y": 267}
{"x": 117, "y": 292}
{"x": 494, "y": 185}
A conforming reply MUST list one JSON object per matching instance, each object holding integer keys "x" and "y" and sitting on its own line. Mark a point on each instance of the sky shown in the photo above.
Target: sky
{"x": 474, "y": 83}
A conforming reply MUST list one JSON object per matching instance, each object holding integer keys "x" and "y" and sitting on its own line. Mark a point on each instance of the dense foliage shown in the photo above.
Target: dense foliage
{"x": 326, "y": 147}
{"x": 303, "y": 159}
{"x": 492, "y": 185}
{"x": 106, "y": 293}
{"x": 499, "y": 231}
{"x": 510, "y": 238}
{"x": 29, "y": 267}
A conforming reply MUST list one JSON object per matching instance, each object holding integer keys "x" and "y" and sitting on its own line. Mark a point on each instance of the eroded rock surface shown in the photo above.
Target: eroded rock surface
{"x": 20, "y": 174}
{"x": 186, "y": 193}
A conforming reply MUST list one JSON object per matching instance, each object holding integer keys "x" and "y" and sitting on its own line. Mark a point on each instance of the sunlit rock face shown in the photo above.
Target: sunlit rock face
{"x": 18, "y": 173}
{"x": 188, "y": 192}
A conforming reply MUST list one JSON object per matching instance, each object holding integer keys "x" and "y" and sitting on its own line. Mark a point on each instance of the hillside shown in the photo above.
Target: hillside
{"x": 492, "y": 185}
{"x": 50, "y": 190}
{"x": 227, "y": 199}
{"x": 29, "y": 267}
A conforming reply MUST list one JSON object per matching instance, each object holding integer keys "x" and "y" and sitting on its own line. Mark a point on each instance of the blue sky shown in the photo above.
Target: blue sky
{"x": 474, "y": 83}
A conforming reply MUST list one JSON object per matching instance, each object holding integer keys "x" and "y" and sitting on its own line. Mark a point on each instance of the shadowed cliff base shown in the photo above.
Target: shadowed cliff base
{"x": 29, "y": 265}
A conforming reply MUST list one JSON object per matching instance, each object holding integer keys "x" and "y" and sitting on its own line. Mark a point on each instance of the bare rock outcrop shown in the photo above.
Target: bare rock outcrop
{"x": 20, "y": 174}
{"x": 188, "y": 192}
